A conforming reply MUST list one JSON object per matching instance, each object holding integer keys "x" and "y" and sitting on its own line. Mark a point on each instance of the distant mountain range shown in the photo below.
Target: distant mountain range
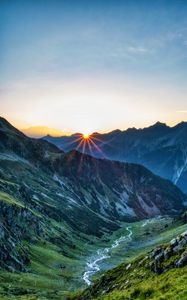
{"x": 160, "y": 148}
{"x": 39, "y": 131}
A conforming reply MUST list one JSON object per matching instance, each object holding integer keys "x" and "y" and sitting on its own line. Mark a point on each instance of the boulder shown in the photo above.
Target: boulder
{"x": 183, "y": 260}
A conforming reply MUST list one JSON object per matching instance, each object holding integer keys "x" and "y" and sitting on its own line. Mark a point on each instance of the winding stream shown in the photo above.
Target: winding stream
{"x": 101, "y": 254}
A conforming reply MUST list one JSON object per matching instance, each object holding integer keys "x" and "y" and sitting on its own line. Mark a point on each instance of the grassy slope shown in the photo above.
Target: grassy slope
{"x": 52, "y": 274}
{"x": 142, "y": 242}
{"x": 50, "y": 268}
{"x": 134, "y": 280}
{"x": 144, "y": 284}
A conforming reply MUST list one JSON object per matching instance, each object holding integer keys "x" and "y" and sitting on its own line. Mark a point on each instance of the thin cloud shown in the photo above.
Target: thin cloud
{"x": 182, "y": 111}
{"x": 138, "y": 50}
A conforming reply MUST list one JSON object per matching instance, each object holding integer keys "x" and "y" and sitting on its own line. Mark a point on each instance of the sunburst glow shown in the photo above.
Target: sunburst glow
{"x": 86, "y": 136}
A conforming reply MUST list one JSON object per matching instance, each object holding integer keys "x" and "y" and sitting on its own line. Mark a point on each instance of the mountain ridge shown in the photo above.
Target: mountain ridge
{"x": 85, "y": 170}
{"x": 154, "y": 125}
{"x": 160, "y": 148}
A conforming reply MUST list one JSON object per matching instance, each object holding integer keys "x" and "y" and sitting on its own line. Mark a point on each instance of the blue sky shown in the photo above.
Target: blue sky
{"x": 93, "y": 65}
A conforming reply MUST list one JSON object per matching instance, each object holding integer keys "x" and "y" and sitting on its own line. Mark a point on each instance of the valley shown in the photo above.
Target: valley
{"x": 140, "y": 237}
{"x": 45, "y": 281}
{"x": 159, "y": 273}
{"x": 93, "y": 150}
{"x": 67, "y": 218}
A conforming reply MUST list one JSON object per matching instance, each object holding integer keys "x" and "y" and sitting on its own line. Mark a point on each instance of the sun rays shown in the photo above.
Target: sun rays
{"x": 85, "y": 143}
{"x": 86, "y": 136}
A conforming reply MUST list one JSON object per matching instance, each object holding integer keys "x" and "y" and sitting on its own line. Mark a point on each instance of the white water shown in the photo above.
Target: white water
{"x": 146, "y": 222}
{"x": 149, "y": 221}
{"x": 93, "y": 264}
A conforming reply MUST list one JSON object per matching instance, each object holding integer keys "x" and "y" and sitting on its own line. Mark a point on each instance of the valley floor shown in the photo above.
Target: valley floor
{"x": 43, "y": 281}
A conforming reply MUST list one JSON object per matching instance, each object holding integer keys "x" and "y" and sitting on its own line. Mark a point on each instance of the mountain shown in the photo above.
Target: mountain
{"x": 160, "y": 148}
{"x": 39, "y": 131}
{"x": 113, "y": 190}
{"x": 56, "y": 207}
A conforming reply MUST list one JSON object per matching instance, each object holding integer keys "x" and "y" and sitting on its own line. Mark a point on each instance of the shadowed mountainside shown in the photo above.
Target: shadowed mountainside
{"x": 160, "y": 148}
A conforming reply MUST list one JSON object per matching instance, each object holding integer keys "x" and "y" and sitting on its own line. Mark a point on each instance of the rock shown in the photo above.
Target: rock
{"x": 173, "y": 242}
{"x": 128, "y": 267}
{"x": 184, "y": 234}
{"x": 168, "y": 253}
{"x": 160, "y": 257}
{"x": 142, "y": 261}
{"x": 155, "y": 266}
{"x": 183, "y": 241}
{"x": 16, "y": 224}
{"x": 161, "y": 254}
{"x": 176, "y": 248}
{"x": 183, "y": 260}
{"x": 2, "y": 232}
{"x": 155, "y": 252}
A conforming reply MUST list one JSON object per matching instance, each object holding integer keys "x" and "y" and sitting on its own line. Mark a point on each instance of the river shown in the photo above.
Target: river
{"x": 93, "y": 267}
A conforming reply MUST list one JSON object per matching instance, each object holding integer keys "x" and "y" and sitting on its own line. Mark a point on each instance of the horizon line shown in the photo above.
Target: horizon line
{"x": 24, "y": 130}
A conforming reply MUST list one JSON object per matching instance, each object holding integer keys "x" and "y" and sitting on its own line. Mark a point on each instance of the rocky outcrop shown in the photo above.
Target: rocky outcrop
{"x": 171, "y": 256}
{"x": 127, "y": 277}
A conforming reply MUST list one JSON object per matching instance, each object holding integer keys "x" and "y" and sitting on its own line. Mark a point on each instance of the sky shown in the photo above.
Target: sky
{"x": 86, "y": 66}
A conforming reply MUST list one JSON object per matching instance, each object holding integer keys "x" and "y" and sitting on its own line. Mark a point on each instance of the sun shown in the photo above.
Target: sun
{"x": 86, "y": 136}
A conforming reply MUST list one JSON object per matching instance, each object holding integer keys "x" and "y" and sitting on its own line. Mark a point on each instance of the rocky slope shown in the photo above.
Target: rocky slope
{"x": 160, "y": 148}
{"x": 106, "y": 189}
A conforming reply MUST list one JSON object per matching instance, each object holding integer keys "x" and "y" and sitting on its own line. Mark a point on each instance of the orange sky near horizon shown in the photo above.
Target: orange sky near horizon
{"x": 90, "y": 105}
{"x": 40, "y": 131}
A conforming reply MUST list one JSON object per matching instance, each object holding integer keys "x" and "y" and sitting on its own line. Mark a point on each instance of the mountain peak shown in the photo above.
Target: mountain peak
{"x": 4, "y": 122}
{"x": 159, "y": 124}
{"x": 116, "y": 131}
{"x": 182, "y": 124}
{"x": 6, "y": 126}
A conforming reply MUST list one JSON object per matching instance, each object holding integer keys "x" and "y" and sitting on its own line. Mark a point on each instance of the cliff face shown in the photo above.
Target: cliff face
{"x": 17, "y": 224}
